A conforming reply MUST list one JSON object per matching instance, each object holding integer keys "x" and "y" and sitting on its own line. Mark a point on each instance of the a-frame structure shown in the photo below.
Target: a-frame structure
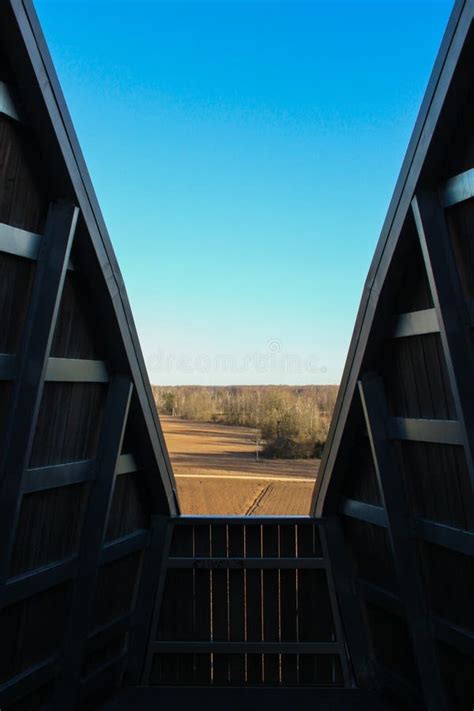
{"x": 398, "y": 468}
{"x": 85, "y": 480}
{"x": 103, "y": 585}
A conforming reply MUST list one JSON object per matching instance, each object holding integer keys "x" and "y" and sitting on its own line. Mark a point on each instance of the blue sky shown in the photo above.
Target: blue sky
{"x": 244, "y": 154}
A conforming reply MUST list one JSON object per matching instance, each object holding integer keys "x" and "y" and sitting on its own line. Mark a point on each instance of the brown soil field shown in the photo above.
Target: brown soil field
{"x": 217, "y": 473}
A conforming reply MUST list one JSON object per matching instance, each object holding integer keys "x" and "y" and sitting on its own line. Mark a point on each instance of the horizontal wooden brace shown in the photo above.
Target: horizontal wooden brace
{"x": 246, "y": 648}
{"x": 8, "y": 366}
{"x": 453, "y": 538}
{"x": 95, "y": 678}
{"x": 416, "y": 323}
{"x": 454, "y": 636}
{"x": 397, "y": 685}
{"x": 458, "y": 188}
{"x": 107, "y": 633}
{"x": 247, "y": 563}
{"x": 37, "y": 581}
{"x": 247, "y": 520}
{"x": 124, "y": 546}
{"x": 57, "y": 475}
{"x": 30, "y": 679}
{"x": 443, "y": 630}
{"x": 75, "y": 370}
{"x": 447, "y": 536}
{"x": 420, "y": 430}
{"x": 126, "y": 464}
{"x": 364, "y": 512}
{"x": 22, "y": 243}
{"x": 18, "y": 242}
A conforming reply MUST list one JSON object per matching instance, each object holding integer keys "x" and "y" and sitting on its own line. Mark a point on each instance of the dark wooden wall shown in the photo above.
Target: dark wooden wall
{"x": 401, "y": 477}
{"x": 80, "y": 490}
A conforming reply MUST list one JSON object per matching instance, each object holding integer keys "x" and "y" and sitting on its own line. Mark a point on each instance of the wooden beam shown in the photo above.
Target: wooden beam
{"x": 416, "y": 323}
{"x": 460, "y": 639}
{"x": 246, "y": 648}
{"x": 122, "y": 547}
{"x": 75, "y": 370}
{"x": 458, "y": 188}
{"x": 400, "y": 527}
{"x": 143, "y": 616}
{"x": 25, "y": 683}
{"x": 449, "y": 302}
{"x": 37, "y": 581}
{"x": 197, "y": 563}
{"x": 453, "y": 538}
{"x": 57, "y": 475}
{"x": 419, "y": 430}
{"x": 160, "y": 572}
{"x": 364, "y": 512}
{"x": 345, "y": 590}
{"x": 34, "y": 354}
{"x": 95, "y": 523}
{"x": 18, "y": 242}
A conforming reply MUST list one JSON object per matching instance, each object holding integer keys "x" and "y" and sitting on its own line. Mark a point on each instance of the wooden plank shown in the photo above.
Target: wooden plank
{"x": 75, "y": 370}
{"x": 402, "y": 544}
{"x": 220, "y": 604}
{"x": 236, "y": 541}
{"x": 271, "y": 604}
{"x": 94, "y": 528}
{"x": 28, "y": 389}
{"x": 423, "y": 430}
{"x": 449, "y": 302}
{"x": 458, "y": 188}
{"x": 202, "y": 604}
{"x": 253, "y": 598}
{"x": 288, "y": 603}
{"x": 416, "y": 323}
{"x": 43, "y": 478}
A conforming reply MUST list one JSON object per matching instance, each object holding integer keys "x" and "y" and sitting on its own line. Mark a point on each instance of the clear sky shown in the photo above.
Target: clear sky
{"x": 244, "y": 154}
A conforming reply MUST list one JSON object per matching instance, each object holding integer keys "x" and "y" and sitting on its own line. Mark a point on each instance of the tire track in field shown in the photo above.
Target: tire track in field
{"x": 258, "y": 500}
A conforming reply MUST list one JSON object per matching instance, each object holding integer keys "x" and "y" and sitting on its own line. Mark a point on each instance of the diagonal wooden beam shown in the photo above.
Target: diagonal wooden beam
{"x": 80, "y": 618}
{"x": 450, "y": 305}
{"x": 35, "y": 348}
{"x": 402, "y": 541}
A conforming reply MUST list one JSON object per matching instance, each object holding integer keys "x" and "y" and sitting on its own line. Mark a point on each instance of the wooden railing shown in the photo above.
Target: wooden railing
{"x": 246, "y": 601}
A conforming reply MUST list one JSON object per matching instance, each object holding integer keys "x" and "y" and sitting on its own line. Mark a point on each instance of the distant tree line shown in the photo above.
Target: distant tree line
{"x": 293, "y": 421}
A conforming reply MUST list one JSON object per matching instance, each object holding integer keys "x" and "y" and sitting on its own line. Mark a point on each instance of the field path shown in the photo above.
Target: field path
{"x": 217, "y": 472}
